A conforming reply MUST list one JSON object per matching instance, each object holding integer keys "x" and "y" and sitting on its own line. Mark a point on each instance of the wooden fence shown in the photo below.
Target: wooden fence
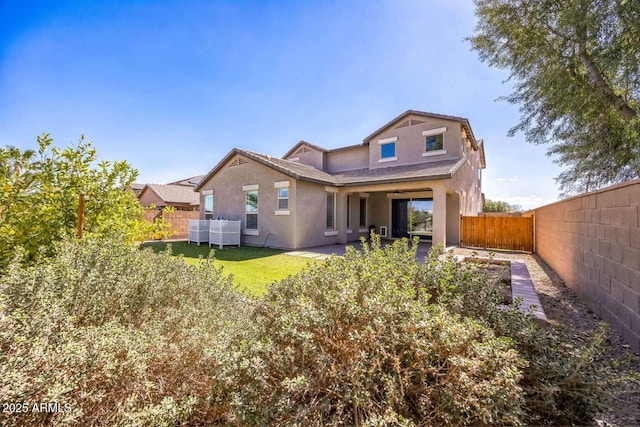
{"x": 491, "y": 232}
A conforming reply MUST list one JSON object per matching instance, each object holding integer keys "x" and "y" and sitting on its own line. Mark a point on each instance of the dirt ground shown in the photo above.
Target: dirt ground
{"x": 564, "y": 308}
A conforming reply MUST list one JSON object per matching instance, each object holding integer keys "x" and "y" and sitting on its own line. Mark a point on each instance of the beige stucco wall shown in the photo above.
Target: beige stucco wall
{"x": 229, "y": 202}
{"x": 411, "y": 144}
{"x": 308, "y": 156}
{"x": 593, "y": 242}
{"x": 348, "y": 159}
{"x": 148, "y": 198}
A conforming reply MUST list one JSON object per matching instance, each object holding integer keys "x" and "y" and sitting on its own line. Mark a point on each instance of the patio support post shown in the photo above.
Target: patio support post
{"x": 440, "y": 216}
{"x": 341, "y": 217}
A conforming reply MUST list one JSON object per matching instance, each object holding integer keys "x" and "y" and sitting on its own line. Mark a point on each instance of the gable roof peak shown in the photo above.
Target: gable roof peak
{"x": 463, "y": 121}
{"x": 301, "y": 143}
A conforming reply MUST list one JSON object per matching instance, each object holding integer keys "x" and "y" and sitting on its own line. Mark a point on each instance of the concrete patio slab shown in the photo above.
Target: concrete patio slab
{"x": 323, "y": 252}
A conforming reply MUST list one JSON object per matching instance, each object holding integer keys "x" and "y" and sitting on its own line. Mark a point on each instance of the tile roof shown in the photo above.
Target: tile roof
{"x": 425, "y": 171}
{"x": 177, "y": 194}
{"x": 192, "y": 181}
{"x": 303, "y": 142}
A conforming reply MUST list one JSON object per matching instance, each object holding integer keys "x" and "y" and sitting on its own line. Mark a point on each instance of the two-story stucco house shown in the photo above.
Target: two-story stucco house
{"x": 414, "y": 176}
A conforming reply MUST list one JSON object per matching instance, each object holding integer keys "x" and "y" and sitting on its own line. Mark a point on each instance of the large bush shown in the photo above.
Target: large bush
{"x": 349, "y": 342}
{"x": 114, "y": 334}
{"x": 121, "y": 336}
{"x": 376, "y": 338}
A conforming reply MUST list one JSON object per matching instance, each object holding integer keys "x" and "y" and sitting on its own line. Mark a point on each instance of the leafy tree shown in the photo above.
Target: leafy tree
{"x": 576, "y": 66}
{"x": 39, "y": 196}
{"x": 491, "y": 206}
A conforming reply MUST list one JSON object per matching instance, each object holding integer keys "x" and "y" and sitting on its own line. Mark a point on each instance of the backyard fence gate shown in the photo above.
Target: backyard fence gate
{"x": 498, "y": 232}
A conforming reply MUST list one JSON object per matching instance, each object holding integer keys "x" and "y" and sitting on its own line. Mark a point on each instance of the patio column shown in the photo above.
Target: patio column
{"x": 440, "y": 216}
{"x": 341, "y": 217}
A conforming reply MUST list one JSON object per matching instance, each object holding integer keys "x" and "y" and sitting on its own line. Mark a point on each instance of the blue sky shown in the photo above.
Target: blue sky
{"x": 172, "y": 86}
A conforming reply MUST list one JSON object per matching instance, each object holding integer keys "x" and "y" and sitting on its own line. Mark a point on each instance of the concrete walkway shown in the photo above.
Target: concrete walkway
{"x": 522, "y": 287}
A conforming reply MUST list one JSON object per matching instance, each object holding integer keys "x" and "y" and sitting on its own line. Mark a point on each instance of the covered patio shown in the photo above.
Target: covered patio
{"x": 427, "y": 209}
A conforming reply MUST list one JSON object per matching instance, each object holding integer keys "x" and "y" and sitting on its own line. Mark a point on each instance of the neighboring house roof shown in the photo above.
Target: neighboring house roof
{"x": 424, "y": 171}
{"x": 464, "y": 122}
{"x": 137, "y": 186}
{"x": 174, "y": 194}
{"x": 191, "y": 182}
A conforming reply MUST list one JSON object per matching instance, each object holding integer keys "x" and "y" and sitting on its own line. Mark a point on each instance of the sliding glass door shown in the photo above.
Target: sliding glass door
{"x": 412, "y": 217}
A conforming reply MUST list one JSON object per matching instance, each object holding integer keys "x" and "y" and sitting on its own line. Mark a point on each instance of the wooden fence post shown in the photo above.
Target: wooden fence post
{"x": 80, "y": 215}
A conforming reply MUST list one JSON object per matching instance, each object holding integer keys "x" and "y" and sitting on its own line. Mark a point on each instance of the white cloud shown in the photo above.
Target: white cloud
{"x": 507, "y": 179}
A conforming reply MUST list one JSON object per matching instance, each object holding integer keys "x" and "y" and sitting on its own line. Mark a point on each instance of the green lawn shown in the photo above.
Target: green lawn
{"x": 252, "y": 268}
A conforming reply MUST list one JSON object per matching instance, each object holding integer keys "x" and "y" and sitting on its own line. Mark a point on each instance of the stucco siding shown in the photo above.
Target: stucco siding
{"x": 411, "y": 143}
{"x": 308, "y": 156}
{"x": 148, "y": 198}
{"x": 350, "y": 159}
{"x": 312, "y": 216}
{"x": 229, "y": 202}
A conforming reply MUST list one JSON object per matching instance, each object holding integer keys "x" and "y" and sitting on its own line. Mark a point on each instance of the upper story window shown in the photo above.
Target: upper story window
{"x": 434, "y": 141}
{"x": 388, "y": 149}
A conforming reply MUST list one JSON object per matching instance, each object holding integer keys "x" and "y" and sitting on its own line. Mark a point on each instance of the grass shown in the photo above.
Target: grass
{"x": 252, "y": 268}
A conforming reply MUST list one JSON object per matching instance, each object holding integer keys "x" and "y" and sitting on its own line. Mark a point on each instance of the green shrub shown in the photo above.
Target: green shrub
{"x": 376, "y": 338}
{"x": 348, "y": 342}
{"x": 122, "y": 336}
{"x": 567, "y": 378}
{"x": 39, "y": 199}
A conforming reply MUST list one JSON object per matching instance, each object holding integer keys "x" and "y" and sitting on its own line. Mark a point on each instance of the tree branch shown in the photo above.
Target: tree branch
{"x": 592, "y": 69}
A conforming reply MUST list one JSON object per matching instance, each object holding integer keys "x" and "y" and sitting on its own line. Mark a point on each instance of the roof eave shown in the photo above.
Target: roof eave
{"x": 397, "y": 180}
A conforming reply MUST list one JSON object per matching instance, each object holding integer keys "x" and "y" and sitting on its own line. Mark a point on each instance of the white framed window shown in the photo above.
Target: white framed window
{"x": 283, "y": 198}
{"x": 331, "y": 211}
{"x": 363, "y": 212}
{"x": 388, "y": 149}
{"x": 251, "y": 209}
{"x": 208, "y": 206}
{"x": 434, "y": 141}
{"x": 349, "y": 212}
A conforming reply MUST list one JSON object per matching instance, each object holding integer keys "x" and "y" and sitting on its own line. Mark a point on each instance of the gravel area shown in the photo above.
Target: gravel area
{"x": 564, "y": 308}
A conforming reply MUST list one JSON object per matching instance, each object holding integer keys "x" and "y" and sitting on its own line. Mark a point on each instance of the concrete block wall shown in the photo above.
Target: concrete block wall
{"x": 179, "y": 221}
{"x": 592, "y": 242}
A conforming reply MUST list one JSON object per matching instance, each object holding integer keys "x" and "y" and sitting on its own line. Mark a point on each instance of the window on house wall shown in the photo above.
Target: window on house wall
{"x": 363, "y": 212}
{"x": 388, "y": 150}
{"x": 331, "y": 211}
{"x": 283, "y": 198}
{"x": 434, "y": 142}
{"x": 348, "y": 211}
{"x": 251, "y": 209}
{"x": 208, "y": 206}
